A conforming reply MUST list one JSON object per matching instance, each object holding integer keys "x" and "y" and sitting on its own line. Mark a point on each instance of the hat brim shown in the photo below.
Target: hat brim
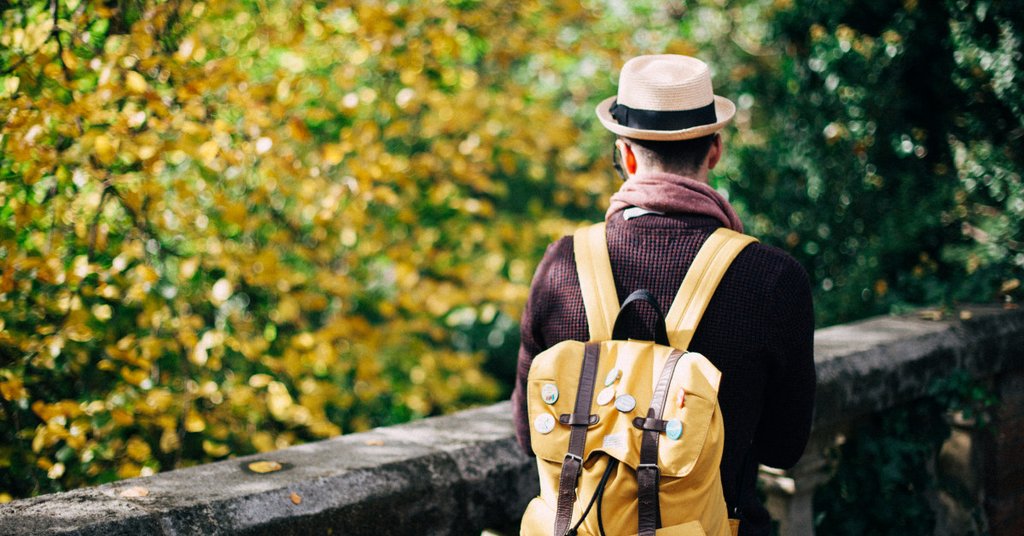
{"x": 724, "y": 111}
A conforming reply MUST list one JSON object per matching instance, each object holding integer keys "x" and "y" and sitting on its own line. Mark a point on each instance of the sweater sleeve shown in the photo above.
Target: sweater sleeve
{"x": 789, "y": 395}
{"x": 532, "y": 341}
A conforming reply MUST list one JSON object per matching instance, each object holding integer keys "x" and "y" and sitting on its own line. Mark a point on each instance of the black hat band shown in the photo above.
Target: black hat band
{"x": 663, "y": 119}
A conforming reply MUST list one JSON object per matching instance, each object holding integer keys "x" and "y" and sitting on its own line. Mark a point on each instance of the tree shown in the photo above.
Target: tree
{"x": 886, "y": 152}
{"x": 230, "y": 227}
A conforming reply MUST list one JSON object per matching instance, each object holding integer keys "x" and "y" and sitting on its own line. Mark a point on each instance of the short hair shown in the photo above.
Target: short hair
{"x": 681, "y": 156}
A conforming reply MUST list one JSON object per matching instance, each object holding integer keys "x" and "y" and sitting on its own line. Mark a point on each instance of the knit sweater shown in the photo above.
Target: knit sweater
{"x": 757, "y": 330}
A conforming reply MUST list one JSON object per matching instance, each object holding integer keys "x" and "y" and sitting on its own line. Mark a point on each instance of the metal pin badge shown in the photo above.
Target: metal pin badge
{"x": 674, "y": 429}
{"x": 549, "y": 393}
{"x": 605, "y": 396}
{"x": 625, "y": 403}
{"x": 613, "y": 374}
{"x": 544, "y": 423}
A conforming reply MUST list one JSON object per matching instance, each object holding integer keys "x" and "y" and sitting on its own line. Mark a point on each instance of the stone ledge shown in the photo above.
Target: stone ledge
{"x": 455, "y": 474}
{"x": 868, "y": 366}
{"x": 460, "y": 473}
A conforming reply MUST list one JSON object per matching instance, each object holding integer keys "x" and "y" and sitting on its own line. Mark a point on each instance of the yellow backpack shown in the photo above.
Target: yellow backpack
{"x": 631, "y": 426}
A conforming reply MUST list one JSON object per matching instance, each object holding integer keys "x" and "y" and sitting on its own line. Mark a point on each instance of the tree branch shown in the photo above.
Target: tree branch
{"x": 55, "y": 34}
{"x": 96, "y": 219}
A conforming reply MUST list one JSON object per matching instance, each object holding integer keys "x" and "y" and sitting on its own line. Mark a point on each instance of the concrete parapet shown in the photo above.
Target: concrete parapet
{"x": 462, "y": 473}
{"x": 455, "y": 474}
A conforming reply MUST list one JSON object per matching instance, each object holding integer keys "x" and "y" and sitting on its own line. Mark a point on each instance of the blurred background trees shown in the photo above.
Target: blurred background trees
{"x": 890, "y": 154}
{"x": 228, "y": 227}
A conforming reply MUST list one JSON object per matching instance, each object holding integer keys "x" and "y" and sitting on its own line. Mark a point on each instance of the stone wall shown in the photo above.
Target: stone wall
{"x": 463, "y": 473}
{"x": 448, "y": 475}
{"x": 869, "y": 366}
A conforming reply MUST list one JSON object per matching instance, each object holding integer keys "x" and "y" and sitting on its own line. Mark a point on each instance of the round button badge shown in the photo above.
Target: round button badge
{"x": 605, "y": 396}
{"x": 613, "y": 375}
{"x": 625, "y": 403}
{"x": 674, "y": 429}
{"x": 549, "y": 393}
{"x": 544, "y": 423}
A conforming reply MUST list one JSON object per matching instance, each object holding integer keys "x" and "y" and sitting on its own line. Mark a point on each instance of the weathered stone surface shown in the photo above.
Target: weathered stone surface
{"x": 868, "y": 366}
{"x": 448, "y": 475}
{"x": 461, "y": 473}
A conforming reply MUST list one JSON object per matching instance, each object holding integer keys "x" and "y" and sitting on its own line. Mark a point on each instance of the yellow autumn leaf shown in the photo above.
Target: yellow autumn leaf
{"x": 185, "y": 49}
{"x": 56, "y": 471}
{"x": 263, "y": 441}
{"x": 194, "y": 422}
{"x": 11, "y": 85}
{"x": 264, "y": 466}
{"x": 215, "y": 449}
{"x": 134, "y": 492}
{"x": 122, "y": 417}
{"x": 169, "y": 440}
{"x": 137, "y": 449}
{"x": 260, "y": 380}
{"x": 105, "y": 149}
{"x": 128, "y": 469}
{"x": 332, "y": 153}
{"x": 208, "y": 151}
{"x": 279, "y": 400}
{"x": 135, "y": 82}
{"x": 158, "y": 400}
{"x": 221, "y": 291}
{"x": 12, "y": 388}
{"x": 188, "y": 267}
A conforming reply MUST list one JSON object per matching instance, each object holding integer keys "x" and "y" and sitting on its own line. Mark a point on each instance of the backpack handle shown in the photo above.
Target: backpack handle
{"x": 660, "y": 332}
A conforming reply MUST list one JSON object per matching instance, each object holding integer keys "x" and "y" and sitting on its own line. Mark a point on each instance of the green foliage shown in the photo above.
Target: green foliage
{"x": 885, "y": 150}
{"x": 885, "y": 469}
{"x": 961, "y": 394}
{"x": 879, "y": 486}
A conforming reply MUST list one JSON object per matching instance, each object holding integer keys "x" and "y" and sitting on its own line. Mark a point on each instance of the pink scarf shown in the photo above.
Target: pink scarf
{"x": 670, "y": 193}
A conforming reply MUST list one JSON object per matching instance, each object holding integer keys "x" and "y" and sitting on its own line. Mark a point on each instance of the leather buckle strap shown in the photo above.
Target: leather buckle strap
{"x": 648, "y": 510}
{"x": 648, "y": 467}
{"x": 577, "y": 438}
{"x": 576, "y": 419}
{"x": 647, "y": 478}
{"x": 650, "y": 424}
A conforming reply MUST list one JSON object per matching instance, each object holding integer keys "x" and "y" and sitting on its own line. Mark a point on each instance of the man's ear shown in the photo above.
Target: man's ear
{"x": 627, "y": 156}
{"x": 715, "y": 153}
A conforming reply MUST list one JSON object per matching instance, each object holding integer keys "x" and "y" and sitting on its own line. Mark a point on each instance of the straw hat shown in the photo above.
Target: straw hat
{"x": 665, "y": 97}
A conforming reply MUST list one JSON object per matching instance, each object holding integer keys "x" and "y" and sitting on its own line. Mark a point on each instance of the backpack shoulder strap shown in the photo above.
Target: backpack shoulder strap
{"x": 594, "y": 268}
{"x": 700, "y": 283}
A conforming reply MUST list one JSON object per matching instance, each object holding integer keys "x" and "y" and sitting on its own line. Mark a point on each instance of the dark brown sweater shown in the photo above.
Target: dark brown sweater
{"x": 758, "y": 330}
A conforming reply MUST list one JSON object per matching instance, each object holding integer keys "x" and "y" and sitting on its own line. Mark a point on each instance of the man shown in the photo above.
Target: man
{"x": 757, "y": 329}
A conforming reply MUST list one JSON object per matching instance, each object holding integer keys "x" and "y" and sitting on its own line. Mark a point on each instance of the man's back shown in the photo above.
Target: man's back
{"x": 758, "y": 330}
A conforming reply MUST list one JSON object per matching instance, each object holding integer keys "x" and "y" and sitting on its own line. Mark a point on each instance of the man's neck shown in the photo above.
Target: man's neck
{"x": 700, "y": 175}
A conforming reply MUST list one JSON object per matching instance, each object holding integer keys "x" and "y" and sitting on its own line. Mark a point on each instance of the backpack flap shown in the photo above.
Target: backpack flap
{"x": 628, "y": 372}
